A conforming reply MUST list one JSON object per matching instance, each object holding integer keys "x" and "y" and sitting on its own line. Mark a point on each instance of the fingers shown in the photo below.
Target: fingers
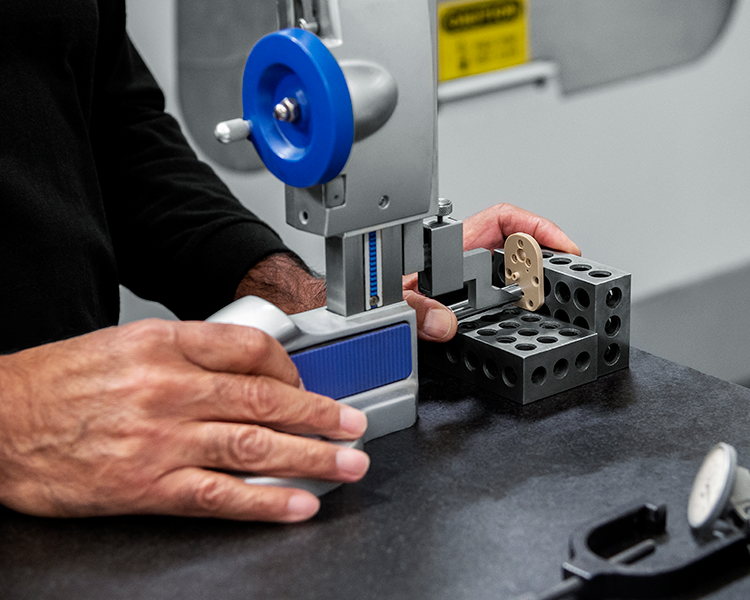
{"x": 411, "y": 282}
{"x": 259, "y": 450}
{"x": 269, "y": 402}
{"x": 191, "y": 491}
{"x": 435, "y": 322}
{"x": 235, "y": 349}
{"x": 489, "y": 228}
{"x": 194, "y": 492}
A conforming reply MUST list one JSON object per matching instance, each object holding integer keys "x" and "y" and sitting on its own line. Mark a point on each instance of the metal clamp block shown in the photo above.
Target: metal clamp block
{"x": 444, "y": 259}
{"x": 518, "y": 354}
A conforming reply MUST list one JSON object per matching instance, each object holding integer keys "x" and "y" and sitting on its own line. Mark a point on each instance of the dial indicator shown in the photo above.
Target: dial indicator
{"x": 712, "y": 488}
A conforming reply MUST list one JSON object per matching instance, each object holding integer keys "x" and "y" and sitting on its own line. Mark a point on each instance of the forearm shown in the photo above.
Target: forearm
{"x": 284, "y": 280}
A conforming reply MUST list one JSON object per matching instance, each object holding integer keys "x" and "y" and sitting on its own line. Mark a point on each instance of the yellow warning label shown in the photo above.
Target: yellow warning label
{"x": 477, "y": 37}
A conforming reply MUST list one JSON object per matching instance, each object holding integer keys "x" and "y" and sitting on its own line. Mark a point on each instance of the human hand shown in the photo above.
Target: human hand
{"x": 487, "y": 229}
{"x": 135, "y": 419}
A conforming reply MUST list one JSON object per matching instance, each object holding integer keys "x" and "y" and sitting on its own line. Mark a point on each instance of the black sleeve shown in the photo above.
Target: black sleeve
{"x": 180, "y": 236}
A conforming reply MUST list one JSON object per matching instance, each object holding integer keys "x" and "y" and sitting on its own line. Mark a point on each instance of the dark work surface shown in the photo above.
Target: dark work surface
{"x": 476, "y": 501}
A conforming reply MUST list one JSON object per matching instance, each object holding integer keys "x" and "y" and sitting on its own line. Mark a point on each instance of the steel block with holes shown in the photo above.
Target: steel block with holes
{"x": 595, "y": 297}
{"x": 588, "y": 294}
{"x": 518, "y": 354}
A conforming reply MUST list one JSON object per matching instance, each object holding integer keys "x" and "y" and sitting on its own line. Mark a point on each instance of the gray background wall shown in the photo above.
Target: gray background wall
{"x": 648, "y": 175}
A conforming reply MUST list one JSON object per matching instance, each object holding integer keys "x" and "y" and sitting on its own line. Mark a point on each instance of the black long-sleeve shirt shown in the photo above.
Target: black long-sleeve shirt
{"x": 98, "y": 185}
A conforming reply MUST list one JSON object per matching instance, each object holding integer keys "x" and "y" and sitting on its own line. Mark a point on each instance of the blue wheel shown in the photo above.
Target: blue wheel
{"x": 293, "y": 67}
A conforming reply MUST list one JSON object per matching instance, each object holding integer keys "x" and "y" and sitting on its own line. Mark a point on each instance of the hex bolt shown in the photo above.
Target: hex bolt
{"x": 287, "y": 110}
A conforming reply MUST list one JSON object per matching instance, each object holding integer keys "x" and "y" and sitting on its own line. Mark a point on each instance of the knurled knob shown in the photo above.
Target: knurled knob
{"x": 445, "y": 207}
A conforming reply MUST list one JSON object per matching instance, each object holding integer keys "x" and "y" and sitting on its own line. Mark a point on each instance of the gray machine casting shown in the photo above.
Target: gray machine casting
{"x": 381, "y": 219}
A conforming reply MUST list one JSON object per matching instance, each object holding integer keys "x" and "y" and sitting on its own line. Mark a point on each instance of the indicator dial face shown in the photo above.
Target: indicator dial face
{"x": 712, "y": 487}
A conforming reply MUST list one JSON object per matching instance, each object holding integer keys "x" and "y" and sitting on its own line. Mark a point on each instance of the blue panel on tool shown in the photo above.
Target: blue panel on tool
{"x": 357, "y": 364}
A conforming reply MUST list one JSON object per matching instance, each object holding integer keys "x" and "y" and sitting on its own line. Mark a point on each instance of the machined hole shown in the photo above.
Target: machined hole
{"x": 471, "y": 326}
{"x": 490, "y": 369}
{"x": 493, "y": 318}
{"x": 581, "y": 322}
{"x": 580, "y": 267}
{"x": 505, "y": 339}
{"x": 510, "y": 378}
{"x": 527, "y": 332}
{"x": 487, "y": 332}
{"x": 562, "y": 292}
{"x": 451, "y": 355}
{"x": 549, "y": 325}
{"x": 544, "y": 310}
{"x": 510, "y": 325}
{"x": 582, "y": 298}
{"x": 612, "y": 354}
{"x": 560, "y": 369}
{"x": 471, "y": 360}
{"x": 560, "y": 260}
{"x": 614, "y": 297}
{"x": 546, "y": 339}
{"x": 304, "y": 217}
{"x": 547, "y": 287}
{"x": 600, "y": 274}
{"x": 525, "y": 347}
{"x": 583, "y": 360}
{"x": 561, "y": 315}
{"x": 568, "y": 332}
{"x": 612, "y": 326}
{"x": 539, "y": 376}
{"x": 547, "y": 254}
{"x": 531, "y": 318}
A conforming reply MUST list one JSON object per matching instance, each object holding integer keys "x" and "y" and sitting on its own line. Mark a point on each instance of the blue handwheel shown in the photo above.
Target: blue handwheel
{"x": 295, "y": 95}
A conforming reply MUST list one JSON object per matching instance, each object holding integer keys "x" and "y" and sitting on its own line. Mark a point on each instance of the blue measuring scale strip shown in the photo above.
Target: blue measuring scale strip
{"x": 373, "y": 241}
{"x": 357, "y": 364}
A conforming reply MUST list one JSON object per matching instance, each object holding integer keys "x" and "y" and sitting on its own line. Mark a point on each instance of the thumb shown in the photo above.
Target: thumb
{"x": 435, "y": 322}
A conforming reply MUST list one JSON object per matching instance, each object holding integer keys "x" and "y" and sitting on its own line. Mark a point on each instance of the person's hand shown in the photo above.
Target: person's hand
{"x": 487, "y": 229}
{"x": 142, "y": 419}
